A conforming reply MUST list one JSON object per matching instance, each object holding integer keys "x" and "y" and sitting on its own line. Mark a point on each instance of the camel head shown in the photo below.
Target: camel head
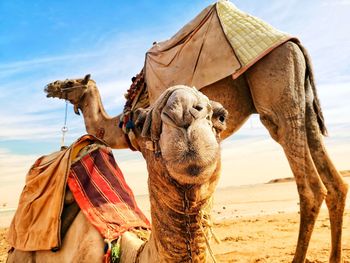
{"x": 72, "y": 90}
{"x": 185, "y": 128}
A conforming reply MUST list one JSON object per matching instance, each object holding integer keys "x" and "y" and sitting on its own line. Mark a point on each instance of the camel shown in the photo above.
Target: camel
{"x": 280, "y": 87}
{"x": 182, "y": 179}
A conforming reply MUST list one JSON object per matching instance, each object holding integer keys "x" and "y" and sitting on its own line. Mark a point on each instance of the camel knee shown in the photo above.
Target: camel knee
{"x": 336, "y": 196}
{"x": 311, "y": 200}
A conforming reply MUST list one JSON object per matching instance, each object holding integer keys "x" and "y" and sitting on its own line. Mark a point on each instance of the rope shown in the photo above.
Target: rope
{"x": 207, "y": 223}
{"x": 64, "y": 128}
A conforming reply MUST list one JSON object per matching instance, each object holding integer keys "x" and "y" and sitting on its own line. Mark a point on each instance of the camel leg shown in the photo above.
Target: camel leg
{"x": 310, "y": 188}
{"x": 277, "y": 87}
{"x": 336, "y": 186}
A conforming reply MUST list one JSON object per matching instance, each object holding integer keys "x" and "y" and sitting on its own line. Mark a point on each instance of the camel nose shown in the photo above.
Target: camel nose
{"x": 183, "y": 115}
{"x": 196, "y": 110}
{"x": 184, "y": 107}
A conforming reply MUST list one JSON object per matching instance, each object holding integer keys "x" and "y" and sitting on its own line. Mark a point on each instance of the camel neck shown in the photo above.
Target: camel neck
{"x": 98, "y": 122}
{"x": 179, "y": 219}
{"x": 91, "y": 106}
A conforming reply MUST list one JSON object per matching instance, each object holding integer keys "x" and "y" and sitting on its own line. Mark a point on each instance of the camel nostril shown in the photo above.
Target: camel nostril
{"x": 198, "y": 107}
{"x": 186, "y": 126}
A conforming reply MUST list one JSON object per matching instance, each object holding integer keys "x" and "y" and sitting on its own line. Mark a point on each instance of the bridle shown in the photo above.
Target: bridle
{"x": 76, "y": 105}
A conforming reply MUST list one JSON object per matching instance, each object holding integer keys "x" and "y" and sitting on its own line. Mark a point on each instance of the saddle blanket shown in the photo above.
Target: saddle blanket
{"x": 221, "y": 41}
{"x": 97, "y": 184}
{"x": 99, "y": 188}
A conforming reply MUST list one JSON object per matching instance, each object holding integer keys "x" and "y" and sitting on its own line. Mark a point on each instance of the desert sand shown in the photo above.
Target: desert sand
{"x": 264, "y": 238}
{"x": 255, "y": 223}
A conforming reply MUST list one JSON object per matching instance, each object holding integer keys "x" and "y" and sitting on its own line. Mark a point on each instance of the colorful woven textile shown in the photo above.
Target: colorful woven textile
{"x": 101, "y": 192}
{"x": 97, "y": 184}
{"x": 41, "y": 202}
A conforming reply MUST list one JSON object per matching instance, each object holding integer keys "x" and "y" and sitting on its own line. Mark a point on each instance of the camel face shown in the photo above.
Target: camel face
{"x": 69, "y": 89}
{"x": 189, "y": 141}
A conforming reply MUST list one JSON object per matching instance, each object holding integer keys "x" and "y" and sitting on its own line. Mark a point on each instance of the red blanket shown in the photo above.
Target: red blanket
{"x": 101, "y": 192}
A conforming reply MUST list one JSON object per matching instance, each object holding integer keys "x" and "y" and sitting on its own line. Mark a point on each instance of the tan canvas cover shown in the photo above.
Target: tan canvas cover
{"x": 220, "y": 41}
{"x": 37, "y": 221}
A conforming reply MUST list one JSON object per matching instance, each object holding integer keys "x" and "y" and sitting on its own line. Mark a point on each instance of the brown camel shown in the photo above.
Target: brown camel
{"x": 280, "y": 88}
{"x": 182, "y": 180}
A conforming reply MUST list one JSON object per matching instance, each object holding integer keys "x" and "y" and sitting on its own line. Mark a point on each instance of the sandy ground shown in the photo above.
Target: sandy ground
{"x": 272, "y": 238}
{"x": 263, "y": 238}
{"x": 255, "y": 223}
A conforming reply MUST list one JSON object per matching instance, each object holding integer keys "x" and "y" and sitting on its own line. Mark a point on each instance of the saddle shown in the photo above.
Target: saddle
{"x": 221, "y": 41}
{"x": 96, "y": 187}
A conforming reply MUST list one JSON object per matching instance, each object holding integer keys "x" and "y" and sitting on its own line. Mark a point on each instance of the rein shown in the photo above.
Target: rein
{"x": 69, "y": 89}
{"x": 203, "y": 218}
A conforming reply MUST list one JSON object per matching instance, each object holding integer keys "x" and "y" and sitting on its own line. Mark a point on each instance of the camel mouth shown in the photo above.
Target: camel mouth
{"x": 190, "y": 155}
{"x": 53, "y": 89}
{"x": 194, "y": 170}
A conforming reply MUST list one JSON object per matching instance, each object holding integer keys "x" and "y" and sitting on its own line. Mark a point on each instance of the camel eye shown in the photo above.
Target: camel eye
{"x": 222, "y": 118}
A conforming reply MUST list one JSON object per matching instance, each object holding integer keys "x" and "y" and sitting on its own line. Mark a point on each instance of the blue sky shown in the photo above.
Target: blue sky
{"x": 41, "y": 41}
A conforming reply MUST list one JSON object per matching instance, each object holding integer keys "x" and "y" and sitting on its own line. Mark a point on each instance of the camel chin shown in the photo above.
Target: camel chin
{"x": 190, "y": 154}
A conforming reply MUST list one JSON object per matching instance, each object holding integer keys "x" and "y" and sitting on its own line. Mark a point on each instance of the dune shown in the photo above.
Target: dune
{"x": 345, "y": 173}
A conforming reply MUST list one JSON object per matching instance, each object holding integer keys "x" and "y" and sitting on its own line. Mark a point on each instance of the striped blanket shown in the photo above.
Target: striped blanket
{"x": 101, "y": 192}
{"x": 98, "y": 185}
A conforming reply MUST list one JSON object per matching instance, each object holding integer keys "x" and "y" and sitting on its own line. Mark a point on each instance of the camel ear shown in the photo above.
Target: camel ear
{"x": 86, "y": 79}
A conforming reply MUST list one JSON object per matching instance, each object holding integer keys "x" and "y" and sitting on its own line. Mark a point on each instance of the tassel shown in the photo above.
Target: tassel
{"x": 108, "y": 250}
{"x": 130, "y": 125}
{"x": 116, "y": 252}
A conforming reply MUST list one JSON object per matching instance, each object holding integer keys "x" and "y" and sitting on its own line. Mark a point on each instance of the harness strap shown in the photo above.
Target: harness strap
{"x": 130, "y": 145}
{"x": 139, "y": 251}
